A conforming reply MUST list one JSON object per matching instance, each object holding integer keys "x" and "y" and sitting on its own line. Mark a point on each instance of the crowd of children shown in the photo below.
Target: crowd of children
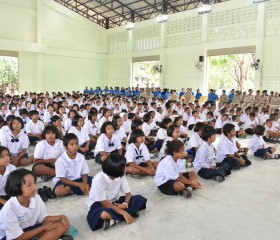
{"x": 124, "y": 131}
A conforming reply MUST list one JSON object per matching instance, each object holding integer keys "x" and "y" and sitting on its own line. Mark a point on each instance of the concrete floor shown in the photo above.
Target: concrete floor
{"x": 245, "y": 206}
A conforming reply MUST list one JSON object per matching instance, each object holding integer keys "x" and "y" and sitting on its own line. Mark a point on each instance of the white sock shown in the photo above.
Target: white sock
{"x": 189, "y": 189}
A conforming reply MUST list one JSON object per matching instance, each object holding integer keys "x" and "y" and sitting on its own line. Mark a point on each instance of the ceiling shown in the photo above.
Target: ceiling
{"x": 114, "y": 13}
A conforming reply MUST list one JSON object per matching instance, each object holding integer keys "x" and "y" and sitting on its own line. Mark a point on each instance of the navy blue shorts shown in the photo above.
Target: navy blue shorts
{"x": 261, "y": 152}
{"x": 28, "y": 229}
{"x": 136, "y": 204}
{"x": 74, "y": 189}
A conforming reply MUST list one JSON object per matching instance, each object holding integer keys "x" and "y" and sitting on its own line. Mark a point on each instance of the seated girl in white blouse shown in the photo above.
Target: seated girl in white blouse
{"x": 46, "y": 153}
{"x": 195, "y": 139}
{"x": 107, "y": 143}
{"x": 24, "y": 215}
{"x": 162, "y": 133}
{"x": 17, "y": 142}
{"x": 171, "y": 176}
{"x": 120, "y": 131}
{"x": 5, "y": 169}
{"x": 84, "y": 141}
{"x": 138, "y": 157}
{"x": 105, "y": 206}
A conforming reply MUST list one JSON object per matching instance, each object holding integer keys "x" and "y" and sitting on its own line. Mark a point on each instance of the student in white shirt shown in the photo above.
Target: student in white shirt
{"x": 49, "y": 114}
{"x": 34, "y": 127}
{"x": 41, "y": 110}
{"x": 171, "y": 176}
{"x": 71, "y": 170}
{"x": 105, "y": 205}
{"x": 24, "y": 216}
{"x": 162, "y": 133}
{"x": 119, "y": 130}
{"x": 126, "y": 122}
{"x": 183, "y": 132}
{"x": 257, "y": 145}
{"x": 250, "y": 124}
{"x": 6, "y": 128}
{"x": 195, "y": 139}
{"x": 84, "y": 141}
{"x": 220, "y": 122}
{"x": 61, "y": 113}
{"x": 24, "y": 115}
{"x": 240, "y": 133}
{"x": 68, "y": 122}
{"x": 17, "y": 142}
{"x": 228, "y": 151}
{"x": 147, "y": 127}
{"x": 47, "y": 151}
{"x": 5, "y": 169}
{"x": 138, "y": 157}
{"x": 12, "y": 110}
{"x": 56, "y": 121}
{"x": 107, "y": 143}
{"x": 92, "y": 127}
{"x": 271, "y": 133}
{"x": 105, "y": 116}
{"x": 193, "y": 120}
{"x": 205, "y": 163}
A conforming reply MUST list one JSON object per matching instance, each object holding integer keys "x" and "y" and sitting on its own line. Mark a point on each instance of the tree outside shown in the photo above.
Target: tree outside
{"x": 9, "y": 71}
{"x": 145, "y": 74}
{"x": 231, "y": 71}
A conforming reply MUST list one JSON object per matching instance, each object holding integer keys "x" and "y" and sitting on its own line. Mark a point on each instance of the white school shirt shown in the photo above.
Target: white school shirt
{"x": 195, "y": 141}
{"x": 226, "y": 147}
{"x": 102, "y": 144}
{"x": 14, "y": 217}
{"x": 244, "y": 117}
{"x": 146, "y": 129}
{"x": 262, "y": 118}
{"x": 92, "y": 129}
{"x": 34, "y": 128}
{"x": 205, "y": 157}
{"x": 236, "y": 126}
{"x": 255, "y": 143}
{"x": 15, "y": 147}
{"x": 41, "y": 113}
{"x": 47, "y": 117}
{"x": 275, "y": 124}
{"x": 132, "y": 154}
{"x": 273, "y": 129}
{"x": 103, "y": 120}
{"x": 71, "y": 169}
{"x": 219, "y": 123}
{"x": 161, "y": 134}
{"x": 3, "y": 131}
{"x": 127, "y": 125}
{"x": 43, "y": 150}
{"x": 3, "y": 178}
{"x": 121, "y": 134}
{"x": 182, "y": 129}
{"x": 186, "y": 116}
{"x": 104, "y": 188}
{"x": 16, "y": 114}
{"x": 192, "y": 120}
{"x": 82, "y": 135}
{"x": 158, "y": 117}
{"x": 168, "y": 169}
{"x": 67, "y": 125}
{"x": 248, "y": 124}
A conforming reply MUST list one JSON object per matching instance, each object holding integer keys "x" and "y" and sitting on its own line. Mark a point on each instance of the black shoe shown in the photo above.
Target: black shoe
{"x": 46, "y": 178}
{"x": 186, "y": 193}
{"x": 136, "y": 215}
{"x": 91, "y": 155}
{"x": 48, "y": 191}
{"x": 87, "y": 156}
{"x": 42, "y": 194}
{"x": 66, "y": 237}
{"x": 219, "y": 179}
{"x": 107, "y": 223}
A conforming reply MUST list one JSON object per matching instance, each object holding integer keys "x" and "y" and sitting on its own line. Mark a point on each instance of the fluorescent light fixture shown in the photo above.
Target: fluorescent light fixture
{"x": 161, "y": 19}
{"x": 129, "y": 26}
{"x": 259, "y": 1}
{"x": 204, "y": 9}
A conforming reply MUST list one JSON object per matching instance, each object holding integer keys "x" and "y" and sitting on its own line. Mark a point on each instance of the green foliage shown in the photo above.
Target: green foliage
{"x": 8, "y": 70}
{"x": 231, "y": 71}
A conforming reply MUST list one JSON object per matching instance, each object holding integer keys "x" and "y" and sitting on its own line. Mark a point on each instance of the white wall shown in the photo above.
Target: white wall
{"x": 58, "y": 49}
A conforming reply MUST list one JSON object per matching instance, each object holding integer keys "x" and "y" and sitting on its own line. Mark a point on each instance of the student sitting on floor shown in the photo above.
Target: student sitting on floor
{"x": 162, "y": 133}
{"x": 47, "y": 152}
{"x": 56, "y": 121}
{"x": 92, "y": 127}
{"x": 34, "y": 127}
{"x": 183, "y": 132}
{"x": 84, "y": 141}
{"x": 228, "y": 151}
{"x": 250, "y": 124}
{"x": 240, "y": 133}
{"x": 107, "y": 143}
{"x": 193, "y": 120}
{"x": 5, "y": 169}
{"x": 17, "y": 142}
{"x": 119, "y": 130}
{"x": 195, "y": 139}
{"x": 138, "y": 157}
{"x": 271, "y": 133}
{"x": 6, "y": 127}
{"x": 257, "y": 145}
{"x": 105, "y": 208}
{"x": 24, "y": 216}
{"x": 171, "y": 177}
{"x": 220, "y": 122}
{"x": 68, "y": 123}
{"x": 71, "y": 170}
{"x": 205, "y": 163}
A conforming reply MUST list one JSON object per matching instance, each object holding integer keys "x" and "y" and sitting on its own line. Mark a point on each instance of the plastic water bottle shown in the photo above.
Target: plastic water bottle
{"x": 184, "y": 163}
